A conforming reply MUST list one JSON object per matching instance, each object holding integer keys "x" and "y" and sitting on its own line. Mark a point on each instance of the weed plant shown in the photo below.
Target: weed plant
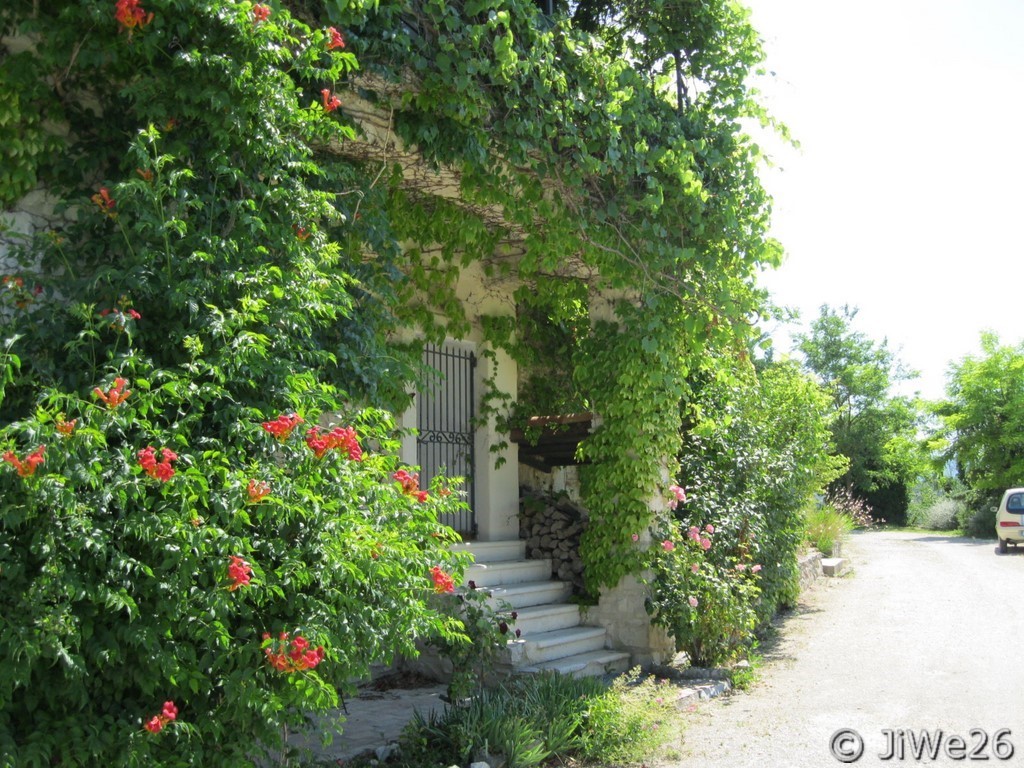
{"x": 530, "y": 720}
{"x": 826, "y": 527}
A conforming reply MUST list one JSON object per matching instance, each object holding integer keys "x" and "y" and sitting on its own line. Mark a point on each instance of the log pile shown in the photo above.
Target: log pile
{"x": 551, "y": 526}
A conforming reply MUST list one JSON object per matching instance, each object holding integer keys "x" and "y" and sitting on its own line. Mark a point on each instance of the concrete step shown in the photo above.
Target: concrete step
{"x": 493, "y": 551}
{"x": 833, "y": 566}
{"x": 539, "y": 619}
{"x": 557, "y": 644}
{"x": 588, "y": 664}
{"x": 531, "y": 593}
{"x": 505, "y": 573}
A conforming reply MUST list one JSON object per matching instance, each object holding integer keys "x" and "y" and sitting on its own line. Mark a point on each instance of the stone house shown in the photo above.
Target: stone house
{"x": 531, "y": 569}
{"x": 524, "y": 555}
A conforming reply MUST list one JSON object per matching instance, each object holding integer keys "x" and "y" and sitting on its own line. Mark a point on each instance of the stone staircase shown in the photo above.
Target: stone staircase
{"x": 552, "y": 637}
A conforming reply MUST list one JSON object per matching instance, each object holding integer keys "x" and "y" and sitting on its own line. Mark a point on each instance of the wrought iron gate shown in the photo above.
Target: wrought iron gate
{"x": 445, "y": 421}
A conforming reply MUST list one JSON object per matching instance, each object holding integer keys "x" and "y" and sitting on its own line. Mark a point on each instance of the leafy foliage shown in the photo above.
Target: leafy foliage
{"x": 531, "y": 719}
{"x": 208, "y": 265}
{"x": 217, "y": 190}
{"x": 705, "y": 599}
{"x": 982, "y": 413}
{"x": 980, "y": 423}
{"x": 605, "y": 187}
{"x": 874, "y": 429}
{"x": 125, "y": 588}
{"x": 938, "y": 514}
{"x": 755, "y": 456}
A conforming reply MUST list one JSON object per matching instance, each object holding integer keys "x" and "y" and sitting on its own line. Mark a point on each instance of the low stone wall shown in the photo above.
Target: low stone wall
{"x": 551, "y": 526}
{"x": 810, "y": 568}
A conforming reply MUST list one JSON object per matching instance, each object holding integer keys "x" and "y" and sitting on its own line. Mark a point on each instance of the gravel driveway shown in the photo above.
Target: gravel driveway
{"x": 926, "y": 634}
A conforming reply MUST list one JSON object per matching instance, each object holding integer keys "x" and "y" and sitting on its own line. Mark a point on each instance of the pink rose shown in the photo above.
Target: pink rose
{"x": 693, "y": 601}
{"x": 678, "y": 494}
{"x": 667, "y": 545}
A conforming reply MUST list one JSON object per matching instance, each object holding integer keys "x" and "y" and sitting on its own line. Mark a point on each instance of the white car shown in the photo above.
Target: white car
{"x": 1010, "y": 519}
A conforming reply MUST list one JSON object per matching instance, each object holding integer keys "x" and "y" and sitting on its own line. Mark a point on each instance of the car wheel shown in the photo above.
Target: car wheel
{"x": 1002, "y": 546}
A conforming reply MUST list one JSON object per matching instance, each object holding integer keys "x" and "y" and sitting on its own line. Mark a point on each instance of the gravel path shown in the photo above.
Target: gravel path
{"x": 927, "y": 633}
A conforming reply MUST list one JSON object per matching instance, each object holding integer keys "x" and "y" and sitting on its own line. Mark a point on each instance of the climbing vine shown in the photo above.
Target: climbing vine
{"x": 541, "y": 150}
{"x": 582, "y": 177}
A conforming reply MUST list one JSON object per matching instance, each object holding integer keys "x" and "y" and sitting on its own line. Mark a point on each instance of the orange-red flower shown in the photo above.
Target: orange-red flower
{"x": 291, "y": 656}
{"x": 25, "y": 468}
{"x": 330, "y": 101}
{"x": 336, "y": 40}
{"x": 260, "y": 13}
{"x": 105, "y": 202}
{"x": 339, "y": 437}
{"x": 168, "y": 713}
{"x": 116, "y": 395}
{"x": 257, "y": 491}
{"x": 240, "y": 573}
{"x": 443, "y": 582}
{"x": 410, "y": 482}
{"x": 162, "y": 470}
{"x": 65, "y": 427}
{"x": 282, "y": 426}
{"x": 130, "y": 16}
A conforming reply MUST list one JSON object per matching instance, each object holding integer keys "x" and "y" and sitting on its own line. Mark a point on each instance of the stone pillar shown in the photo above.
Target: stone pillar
{"x": 621, "y": 609}
{"x": 497, "y": 487}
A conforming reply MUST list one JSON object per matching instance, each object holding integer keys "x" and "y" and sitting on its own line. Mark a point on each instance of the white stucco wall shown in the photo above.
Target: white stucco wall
{"x": 497, "y": 487}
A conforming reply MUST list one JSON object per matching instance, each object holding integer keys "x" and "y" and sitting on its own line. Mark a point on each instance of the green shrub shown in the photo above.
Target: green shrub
{"x": 941, "y": 515}
{"x": 827, "y": 527}
{"x": 153, "y": 559}
{"x": 535, "y": 718}
{"x": 476, "y": 650}
{"x": 146, "y": 563}
{"x": 706, "y": 600}
{"x": 936, "y": 504}
{"x": 756, "y": 455}
{"x": 629, "y": 722}
{"x": 979, "y": 522}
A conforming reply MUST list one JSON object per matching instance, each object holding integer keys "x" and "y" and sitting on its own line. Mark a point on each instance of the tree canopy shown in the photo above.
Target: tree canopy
{"x": 983, "y": 416}
{"x": 875, "y": 429}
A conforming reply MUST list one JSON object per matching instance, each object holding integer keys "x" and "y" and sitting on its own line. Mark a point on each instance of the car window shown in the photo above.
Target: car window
{"x": 1015, "y": 503}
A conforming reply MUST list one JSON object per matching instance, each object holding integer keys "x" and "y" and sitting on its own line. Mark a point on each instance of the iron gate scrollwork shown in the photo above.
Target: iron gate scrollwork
{"x": 445, "y": 423}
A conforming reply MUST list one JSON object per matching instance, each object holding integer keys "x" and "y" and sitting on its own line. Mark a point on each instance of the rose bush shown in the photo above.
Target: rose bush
{"x": 704, "y": 596}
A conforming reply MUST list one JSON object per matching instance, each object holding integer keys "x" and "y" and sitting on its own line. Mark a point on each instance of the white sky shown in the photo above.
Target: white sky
{"x": 906, "y": 198}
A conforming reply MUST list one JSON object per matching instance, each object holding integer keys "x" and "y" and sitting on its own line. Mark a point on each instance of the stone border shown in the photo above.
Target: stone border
{"x": 810, "y": 568}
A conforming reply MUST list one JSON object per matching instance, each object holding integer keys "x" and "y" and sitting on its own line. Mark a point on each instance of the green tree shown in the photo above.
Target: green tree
{"x": 873, "y": 428}
{"x": 982, "y": 425}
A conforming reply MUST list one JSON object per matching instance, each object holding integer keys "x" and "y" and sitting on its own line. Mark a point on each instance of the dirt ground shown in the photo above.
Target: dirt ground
{"x": 923, "y": 636}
